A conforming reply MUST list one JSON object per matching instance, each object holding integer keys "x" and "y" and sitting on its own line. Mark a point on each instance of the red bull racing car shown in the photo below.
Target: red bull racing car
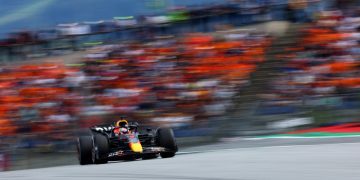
{"x": 123, "y": 141}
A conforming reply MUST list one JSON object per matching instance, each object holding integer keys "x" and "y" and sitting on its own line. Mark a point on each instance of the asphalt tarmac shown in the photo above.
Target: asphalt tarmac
{"x": 234, "y": 159}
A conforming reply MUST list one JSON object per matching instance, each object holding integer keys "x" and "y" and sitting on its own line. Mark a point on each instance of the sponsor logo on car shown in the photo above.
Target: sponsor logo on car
{"x": 117, "y": 153}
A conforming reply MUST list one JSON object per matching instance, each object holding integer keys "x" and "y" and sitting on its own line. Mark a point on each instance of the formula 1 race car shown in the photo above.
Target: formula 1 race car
{"x": 106, "y": 143}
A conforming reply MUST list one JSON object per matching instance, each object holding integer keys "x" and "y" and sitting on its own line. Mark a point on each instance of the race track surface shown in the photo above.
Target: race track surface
{"x": 294, "y": 161}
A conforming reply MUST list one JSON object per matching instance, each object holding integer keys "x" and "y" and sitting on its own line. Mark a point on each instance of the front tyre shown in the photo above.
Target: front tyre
{"x": 165, "y": 138}
{"x": 84, "y": 149}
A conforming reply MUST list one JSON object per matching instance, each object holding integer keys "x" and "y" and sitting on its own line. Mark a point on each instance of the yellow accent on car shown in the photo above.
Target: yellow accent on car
{"x": 136, "y": 147}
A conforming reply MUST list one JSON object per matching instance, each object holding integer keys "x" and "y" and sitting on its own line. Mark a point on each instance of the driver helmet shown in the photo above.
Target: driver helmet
{"x": 122, "y": 125}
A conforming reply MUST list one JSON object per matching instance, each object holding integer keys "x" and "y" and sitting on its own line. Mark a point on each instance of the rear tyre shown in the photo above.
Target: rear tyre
{"x": 100, "y": 149}
{"x": 165, "y": 138}
{"x": 84, "y": 148}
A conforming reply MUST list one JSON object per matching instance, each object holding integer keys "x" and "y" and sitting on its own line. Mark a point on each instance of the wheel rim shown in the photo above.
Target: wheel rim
{"x": 78, "y": 150}
{"x": 93, "y": 155}
{"x": 78, "y": 153}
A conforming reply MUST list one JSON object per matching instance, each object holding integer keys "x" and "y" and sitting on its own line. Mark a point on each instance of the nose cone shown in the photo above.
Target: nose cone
{"x": 136, "y": 147}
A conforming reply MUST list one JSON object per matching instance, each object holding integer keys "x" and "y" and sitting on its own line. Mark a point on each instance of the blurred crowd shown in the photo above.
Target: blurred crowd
{"x": 174, "y": 81}
{"x": 38, "y": 99}
{"x": 323, "y": 69}
{"x": 177, "y": 82}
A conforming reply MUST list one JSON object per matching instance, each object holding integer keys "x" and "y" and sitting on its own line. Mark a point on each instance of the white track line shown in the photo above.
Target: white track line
{"x": 264, "y": 147}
